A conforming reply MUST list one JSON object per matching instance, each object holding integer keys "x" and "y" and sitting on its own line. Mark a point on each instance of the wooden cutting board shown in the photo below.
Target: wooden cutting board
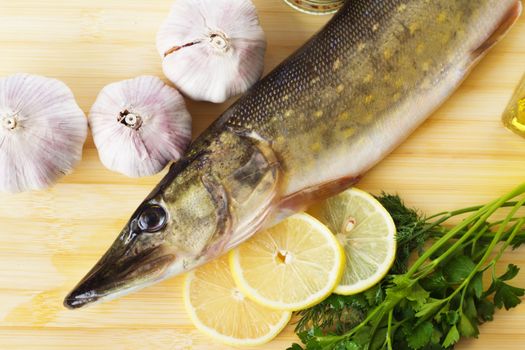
{"x": 49, "y": 240}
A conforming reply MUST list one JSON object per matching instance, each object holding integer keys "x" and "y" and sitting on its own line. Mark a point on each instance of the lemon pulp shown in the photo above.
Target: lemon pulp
{"x": 290, "y": 266}
{"x": 367, "y": 233}
{"x": 218, "y": 308}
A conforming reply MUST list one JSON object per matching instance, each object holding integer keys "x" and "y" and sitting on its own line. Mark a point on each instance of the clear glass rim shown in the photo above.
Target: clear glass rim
{"x": 332, "y": 6}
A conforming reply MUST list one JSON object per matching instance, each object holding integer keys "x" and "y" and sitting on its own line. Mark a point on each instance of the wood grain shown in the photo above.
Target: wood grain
{"x": 48, "y": 240}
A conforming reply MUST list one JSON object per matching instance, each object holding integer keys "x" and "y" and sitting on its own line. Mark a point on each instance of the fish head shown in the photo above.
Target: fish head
{"x": 172, "y": 231}
{"x": 205, "y": 205}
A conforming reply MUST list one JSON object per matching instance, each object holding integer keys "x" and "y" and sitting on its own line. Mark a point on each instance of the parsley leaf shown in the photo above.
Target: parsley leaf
{"x": 457, "y": 269}
{"x": 419, "y": 336}
{"x": 467, "y": 328}
{"x": 506, "y": 295}
{"x": 451, "y": 338}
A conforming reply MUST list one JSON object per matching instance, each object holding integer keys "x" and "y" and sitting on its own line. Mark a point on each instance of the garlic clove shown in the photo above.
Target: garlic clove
{"x": 212, "y": 49}
{"x": 42, "y": 132}
{"x": 139, "y": 126}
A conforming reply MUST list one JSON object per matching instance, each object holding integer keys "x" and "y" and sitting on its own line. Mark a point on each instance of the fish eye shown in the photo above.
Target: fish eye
{"x": 152, "y": 219}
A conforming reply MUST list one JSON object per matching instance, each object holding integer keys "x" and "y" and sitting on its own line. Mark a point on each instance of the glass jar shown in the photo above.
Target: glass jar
{"x": 514, "y": 116}
{"x": 316, "y": 7}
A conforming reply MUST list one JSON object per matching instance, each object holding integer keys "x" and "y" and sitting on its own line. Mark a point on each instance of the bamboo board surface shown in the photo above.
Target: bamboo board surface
{"x": 49, "y": 240}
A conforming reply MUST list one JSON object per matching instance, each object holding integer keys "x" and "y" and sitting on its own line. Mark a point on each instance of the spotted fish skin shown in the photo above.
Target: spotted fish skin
{"x": 365, "y": 82}
{"x": 308, "y": 130}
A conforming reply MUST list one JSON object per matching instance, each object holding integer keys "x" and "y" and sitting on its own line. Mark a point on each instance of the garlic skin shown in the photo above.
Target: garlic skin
{"x": 42, "y": 132}
{"x": 139, "y": 126}
{"x": 212, "y": 49}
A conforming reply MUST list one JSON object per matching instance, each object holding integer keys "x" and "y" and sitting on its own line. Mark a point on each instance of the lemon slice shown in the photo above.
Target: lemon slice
{"x": 219, "y": 309}
{"x": 291, "y": 266}
{"x": 367, "y": 233}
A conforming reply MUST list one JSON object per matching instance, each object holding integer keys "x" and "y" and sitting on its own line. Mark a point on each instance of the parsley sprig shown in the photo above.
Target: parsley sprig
{"x": 433, "y": 302}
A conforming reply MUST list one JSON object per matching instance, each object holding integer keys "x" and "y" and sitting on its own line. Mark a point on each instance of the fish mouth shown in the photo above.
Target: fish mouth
{"x": 112, "y": 278}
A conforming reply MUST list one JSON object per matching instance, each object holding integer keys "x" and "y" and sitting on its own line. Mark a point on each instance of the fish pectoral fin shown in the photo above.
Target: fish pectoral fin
{"x": 506, "y": 23}
{"x": 301, "y": 200}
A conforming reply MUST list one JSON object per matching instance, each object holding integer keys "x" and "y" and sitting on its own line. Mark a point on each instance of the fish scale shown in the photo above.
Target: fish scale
{"x": 308, "y": 130}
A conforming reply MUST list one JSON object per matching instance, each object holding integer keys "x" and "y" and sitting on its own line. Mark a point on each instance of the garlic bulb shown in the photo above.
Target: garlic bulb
{"x": 139, "y": 126}
{"x": 42, "y": 132}
{"x": 212, "y": 49}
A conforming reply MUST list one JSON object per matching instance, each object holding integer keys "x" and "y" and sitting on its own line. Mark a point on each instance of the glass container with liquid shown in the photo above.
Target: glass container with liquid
{"x": 316, "y": 7}
{"x": 514, "y": 116}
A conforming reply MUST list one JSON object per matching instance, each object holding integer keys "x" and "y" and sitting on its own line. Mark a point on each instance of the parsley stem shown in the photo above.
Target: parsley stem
{"x": 446, "y": 215}
{"x": 486, "y": 235}
{"x": 478, "y": 218}
{"x": 477, "y": 237}
{"x": 514, "y": 233}
{"x": 377, "y": 323}
{"x": 389, "y": 330}
{"x": 430, "y": 222}
{"x": 496, "y": 223}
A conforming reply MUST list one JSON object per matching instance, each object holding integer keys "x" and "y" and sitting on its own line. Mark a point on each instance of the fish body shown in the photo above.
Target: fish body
{"x": 308, "y": 130}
